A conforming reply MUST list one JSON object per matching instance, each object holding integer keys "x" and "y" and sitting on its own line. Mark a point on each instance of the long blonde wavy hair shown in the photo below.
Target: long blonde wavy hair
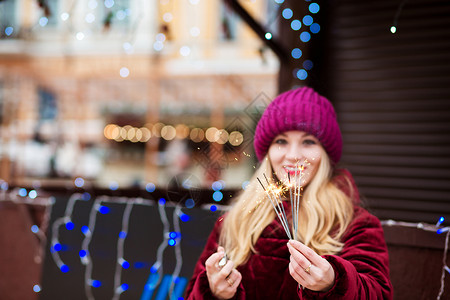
{"x": 325, "y": 213}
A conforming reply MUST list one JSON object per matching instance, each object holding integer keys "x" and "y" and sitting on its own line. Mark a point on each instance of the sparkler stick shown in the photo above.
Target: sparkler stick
{"x": 273, "y": 192}
{"x": 274, "y": 198}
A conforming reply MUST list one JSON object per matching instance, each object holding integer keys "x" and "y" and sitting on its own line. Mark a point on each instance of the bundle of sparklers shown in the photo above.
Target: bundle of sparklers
{"x": 276, "y": 190}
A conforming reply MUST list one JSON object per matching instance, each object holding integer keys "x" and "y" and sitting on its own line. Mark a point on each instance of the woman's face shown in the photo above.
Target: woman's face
{"x": 292, "y": 149}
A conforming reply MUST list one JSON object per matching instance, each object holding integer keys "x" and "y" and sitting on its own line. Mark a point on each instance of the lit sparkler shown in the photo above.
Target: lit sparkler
{"x": 274, "y": 192}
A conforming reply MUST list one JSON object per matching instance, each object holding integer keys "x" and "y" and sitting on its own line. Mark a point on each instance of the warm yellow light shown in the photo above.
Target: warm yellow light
{"x": 131, "y": 133}
{"x": 221, "y": 136}
{"x": 108, "y": 131}
{"x": 182, "y": 131}
{"x": 236, "y": 138}
{"x": 211, "y": 134}
{"x": 156, "y": 129}
{"x": 197, "y": 135}
{"x": 146, "y": 134}
{"x": 168, "y": 132}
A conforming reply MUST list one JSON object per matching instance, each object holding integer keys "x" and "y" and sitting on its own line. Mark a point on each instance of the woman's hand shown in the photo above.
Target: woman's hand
{"x": 223, "y": 281}
{"x": 309, "y": 269}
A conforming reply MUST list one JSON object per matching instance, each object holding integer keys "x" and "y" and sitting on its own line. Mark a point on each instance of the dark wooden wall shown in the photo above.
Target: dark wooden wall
{"x": 392, "y": 96}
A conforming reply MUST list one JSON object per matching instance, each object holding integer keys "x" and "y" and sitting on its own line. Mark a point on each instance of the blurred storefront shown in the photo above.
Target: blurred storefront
{"x": 122, "y": 93}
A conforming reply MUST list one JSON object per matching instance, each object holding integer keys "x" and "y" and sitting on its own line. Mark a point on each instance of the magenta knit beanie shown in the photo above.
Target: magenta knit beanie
{"x": 300, "y": 109}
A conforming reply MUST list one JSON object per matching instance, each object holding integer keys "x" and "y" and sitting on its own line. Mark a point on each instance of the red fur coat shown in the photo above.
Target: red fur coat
{"x": 361, "y": 269}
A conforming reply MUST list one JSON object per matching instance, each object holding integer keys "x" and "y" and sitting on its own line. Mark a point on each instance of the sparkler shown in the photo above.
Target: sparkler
{"x": 274, "y": 192}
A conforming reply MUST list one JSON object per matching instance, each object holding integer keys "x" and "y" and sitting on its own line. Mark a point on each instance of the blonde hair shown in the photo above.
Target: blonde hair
{"x": 325, "y": 213}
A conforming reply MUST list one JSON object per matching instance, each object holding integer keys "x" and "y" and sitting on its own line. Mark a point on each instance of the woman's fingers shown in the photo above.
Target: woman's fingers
{"x": 308, "y": 268}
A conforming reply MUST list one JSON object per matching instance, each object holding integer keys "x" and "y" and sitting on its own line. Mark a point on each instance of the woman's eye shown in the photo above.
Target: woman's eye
{"x": 309, "y": 142}
{"x": 280, "y": 141}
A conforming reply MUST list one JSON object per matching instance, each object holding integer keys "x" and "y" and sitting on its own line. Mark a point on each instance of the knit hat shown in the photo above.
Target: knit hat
{"x": 300, "y": 109}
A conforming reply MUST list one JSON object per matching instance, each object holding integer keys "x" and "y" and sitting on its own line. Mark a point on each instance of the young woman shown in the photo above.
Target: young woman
{"x": 340, "y": 252}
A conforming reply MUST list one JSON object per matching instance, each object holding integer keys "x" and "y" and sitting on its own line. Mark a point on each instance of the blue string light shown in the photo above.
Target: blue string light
{"x": 85, "y": 230}
{"x": 268, "y": 36}
{"x": 82, "y": 253}
{"x": 122, "y": 235}
{"x": 104, "y": 210}
{"x": 64, "y": 268}
{"x": 32, "y": 194}
{"x": 440, "y": 221}
{"x": 125, "y": 264}
{"x": 36, "y": 288}
{"x": 124, "y": 287}
{"x": 162, "y": 201}
{"x": 213, "y": 208}
{"x": 96, "y": 283}
{"x": 70, "y": 225}
{"x": 184, "y": 218}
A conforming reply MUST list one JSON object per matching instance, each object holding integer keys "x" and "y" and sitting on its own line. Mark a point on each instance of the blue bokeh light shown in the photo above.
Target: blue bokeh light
{"x": 308, "y": 64}
{"x": 296, "y": 24}
{"x": 217, "y": 196}
{"x": 82, "y": 253}
{"x": 32, "y": 194}
{"x": 79, "y": 182}
{"x": 189, "y": 203}
{"x": 122, "y": 235}
{"x": 305, "y": 36}
{"x": 23, "y": 192}
{"x": 113, "y": 186}
{"x": 9, "y": 30}
{"x": 314, "y": 8}
{"x": 150, "y": 187}
{"x": 162, "y": 201}
{"x": 36, "y": 288}
{"x": 34, "y": 229}
{"x": 217, "y": 186}
{"x": 173, "y": 234}
{"x": 296, "y": 53}
{"x": 172, "y": 242}
{"x": 213, "y": 208}
{"x": 287, "y": 13}
{"x": 124, "y": 286}
{"x": 302, "y": 74}
{"x": 315, "y": 28}
{"x": 307, "y": 20}
{"x": 86, "y": 196}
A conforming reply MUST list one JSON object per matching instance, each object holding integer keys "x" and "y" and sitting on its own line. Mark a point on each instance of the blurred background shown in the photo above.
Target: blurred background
{"x": 157, "y": 100}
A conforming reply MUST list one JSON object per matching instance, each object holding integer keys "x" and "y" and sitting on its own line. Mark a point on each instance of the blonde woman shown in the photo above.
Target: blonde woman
{"x": 339, "y": 253}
